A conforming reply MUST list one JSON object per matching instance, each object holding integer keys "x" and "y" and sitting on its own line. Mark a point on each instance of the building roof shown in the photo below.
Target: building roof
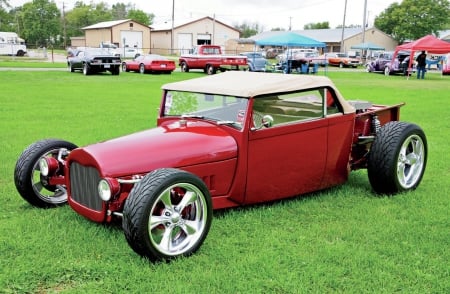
{"x": 322, "y": 35}
{"x": 445, "y": 35}
{"x": 178, "y": 23}
{"x": 106, "y": 24}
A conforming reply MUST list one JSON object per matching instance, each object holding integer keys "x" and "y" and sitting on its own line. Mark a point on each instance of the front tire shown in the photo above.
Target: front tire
{"x": 142, "y": 68}
{"x": 31, "y": 185}
{"x": 70, "y": 67}
{"x": 397, "y": 158}
{"x": 167, "y": 214}
{"x": 124, "y": 67}
{"x": 387, "y": 71}
{"x": 184, "y": 67}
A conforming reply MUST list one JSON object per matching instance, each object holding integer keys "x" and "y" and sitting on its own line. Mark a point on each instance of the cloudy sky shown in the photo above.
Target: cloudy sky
{"x": 267, "y": 13}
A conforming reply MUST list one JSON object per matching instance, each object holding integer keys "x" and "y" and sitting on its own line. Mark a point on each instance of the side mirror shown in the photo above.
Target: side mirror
{"x": 267, "y": 121}
{"x": 260, "y": 121}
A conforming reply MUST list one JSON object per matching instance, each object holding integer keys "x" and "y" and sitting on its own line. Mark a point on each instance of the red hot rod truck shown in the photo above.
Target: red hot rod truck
{"x": 216, "y": 138}
{"x": 210, "y": 59}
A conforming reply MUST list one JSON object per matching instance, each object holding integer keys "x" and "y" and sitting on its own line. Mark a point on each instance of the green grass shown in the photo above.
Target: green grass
{"x": 344, "y": 240}
{"x": 25, "y": 62}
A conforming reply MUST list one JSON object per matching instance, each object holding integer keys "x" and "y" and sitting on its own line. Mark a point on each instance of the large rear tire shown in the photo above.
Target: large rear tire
{"x": 31, "y": 185}
{"x": 86, "y": 69}
{"x": 167, "y": 214}
{"x": 397, "y": 158}
{"x": 210, "y": 70}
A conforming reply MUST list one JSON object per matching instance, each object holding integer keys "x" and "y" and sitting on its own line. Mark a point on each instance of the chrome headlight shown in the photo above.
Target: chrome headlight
{"x": 108, "y": 188}
{"x": 48, "y": 166}
{"x": 43, "y": 166}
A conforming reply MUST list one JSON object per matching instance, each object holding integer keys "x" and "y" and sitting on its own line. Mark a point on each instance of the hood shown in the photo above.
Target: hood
{"x": 171, "y": 145}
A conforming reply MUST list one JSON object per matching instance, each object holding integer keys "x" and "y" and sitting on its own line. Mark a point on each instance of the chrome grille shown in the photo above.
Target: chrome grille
{"x": 83, "y": 185}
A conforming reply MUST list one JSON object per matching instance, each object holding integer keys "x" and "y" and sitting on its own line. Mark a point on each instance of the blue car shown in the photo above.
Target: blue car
{"x": 255, "y": 61}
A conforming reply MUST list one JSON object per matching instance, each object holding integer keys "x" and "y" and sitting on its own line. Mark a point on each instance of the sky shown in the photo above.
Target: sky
{"x": 267, "y": 14}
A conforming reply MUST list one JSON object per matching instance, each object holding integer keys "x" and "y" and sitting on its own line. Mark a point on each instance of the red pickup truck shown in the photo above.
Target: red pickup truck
{"x": 210, "y": 59}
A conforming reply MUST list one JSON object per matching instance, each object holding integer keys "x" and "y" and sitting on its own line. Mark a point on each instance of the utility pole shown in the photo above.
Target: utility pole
{"x": 364, "y": 51}
{"x": 171, "y": 34}
{"x": 64, "y": 25}
{"x": 343, "y": 27}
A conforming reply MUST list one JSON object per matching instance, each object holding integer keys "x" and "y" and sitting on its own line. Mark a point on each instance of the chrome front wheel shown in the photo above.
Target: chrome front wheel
{"x": 168, "y": 214}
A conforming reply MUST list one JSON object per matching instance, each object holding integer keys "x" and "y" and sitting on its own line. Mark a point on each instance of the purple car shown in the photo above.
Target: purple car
{"x": 385, "y": 63}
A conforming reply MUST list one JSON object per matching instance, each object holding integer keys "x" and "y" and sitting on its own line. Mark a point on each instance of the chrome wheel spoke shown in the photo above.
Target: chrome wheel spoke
{"x": 165, "y": 199}
{"x": 157, "y": 220}
{"x": 38, "y": 187}
{"x": 166, "y": 240}
{"x": 189, "y": 198}
{"x": 190, "y": 227}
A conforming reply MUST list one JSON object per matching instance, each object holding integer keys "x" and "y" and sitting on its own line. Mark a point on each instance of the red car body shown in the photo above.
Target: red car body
{"x": 151, "y": 63}
{"x": 222, "y": 141}
{"x": 342, "y": 60}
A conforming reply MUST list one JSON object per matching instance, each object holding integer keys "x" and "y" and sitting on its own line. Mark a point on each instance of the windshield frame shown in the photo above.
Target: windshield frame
{"x": 219, "y": 109}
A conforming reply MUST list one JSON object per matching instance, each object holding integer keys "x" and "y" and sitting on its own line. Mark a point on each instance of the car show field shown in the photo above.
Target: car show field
{"x": 344, "y": 238}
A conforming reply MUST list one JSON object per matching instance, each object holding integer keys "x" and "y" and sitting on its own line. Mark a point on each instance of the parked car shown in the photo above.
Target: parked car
{"x": 149, "y": 63}
{"x": 384, "y": 63}
{"x": 380, "y": 62}
{"x": 221, "y": 141}
{"x": 446, "y": 65}
{"x": 93, "y": 60}
{"x": 272, "y": 52}
{"x": 342, "y": 60}
{"x": 128, "y": 52}
{"x": 296, "y": 54}
{"x": 399, "y": 65}
{"x": 255, "y": 61}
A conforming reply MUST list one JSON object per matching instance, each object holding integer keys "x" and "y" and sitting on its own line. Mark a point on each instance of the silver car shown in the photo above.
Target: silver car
{"x": 255, "y": 61}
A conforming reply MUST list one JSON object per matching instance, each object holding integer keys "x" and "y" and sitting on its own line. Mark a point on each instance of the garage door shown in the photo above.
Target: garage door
{"x": 203, "y": 39}
{"x": 131, "y": 39}
{"x": 184, "y": 43}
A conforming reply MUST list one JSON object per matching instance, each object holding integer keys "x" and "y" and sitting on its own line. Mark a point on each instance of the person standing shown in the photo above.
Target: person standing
{"x": 421, "y": 64}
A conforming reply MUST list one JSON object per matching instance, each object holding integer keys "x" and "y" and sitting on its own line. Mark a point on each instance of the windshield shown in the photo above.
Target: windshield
{"x": 222, "y": 109}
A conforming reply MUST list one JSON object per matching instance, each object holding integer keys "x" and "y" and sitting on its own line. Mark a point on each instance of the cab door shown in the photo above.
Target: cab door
{"x": 289, "y": 157}
{"x": 286, "y": 161}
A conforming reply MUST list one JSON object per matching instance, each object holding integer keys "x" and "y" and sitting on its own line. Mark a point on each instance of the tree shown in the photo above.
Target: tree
{"x": 41, "y": 23}
{"x": 120, "y": 11}
{"x": 413, "y": 19}
{"x": 83, "y": 15}
{"x": 140, "y": 16}
{"x": 319, "y": 25}
{"x": 6, "y": 19}
{"x": 248, "y": 29}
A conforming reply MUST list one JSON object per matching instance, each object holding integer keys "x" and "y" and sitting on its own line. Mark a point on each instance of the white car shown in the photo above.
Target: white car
{"x": 128, "y": 52}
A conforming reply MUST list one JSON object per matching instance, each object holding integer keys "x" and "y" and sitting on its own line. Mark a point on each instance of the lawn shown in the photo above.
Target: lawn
{"x": 345, "y": 239}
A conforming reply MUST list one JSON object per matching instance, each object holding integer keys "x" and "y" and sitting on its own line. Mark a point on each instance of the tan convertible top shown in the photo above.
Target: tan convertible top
{"x": 252, "y": 84}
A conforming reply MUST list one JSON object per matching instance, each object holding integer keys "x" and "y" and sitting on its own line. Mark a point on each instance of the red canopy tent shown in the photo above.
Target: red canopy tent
{"x": 429, "y": 43}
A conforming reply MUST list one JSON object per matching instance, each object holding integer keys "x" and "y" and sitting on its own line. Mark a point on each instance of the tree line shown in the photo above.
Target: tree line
{"x": 42, "y": 23}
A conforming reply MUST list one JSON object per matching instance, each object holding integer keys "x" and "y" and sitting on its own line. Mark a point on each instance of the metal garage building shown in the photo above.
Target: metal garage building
{"x": 122, "y": 33}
